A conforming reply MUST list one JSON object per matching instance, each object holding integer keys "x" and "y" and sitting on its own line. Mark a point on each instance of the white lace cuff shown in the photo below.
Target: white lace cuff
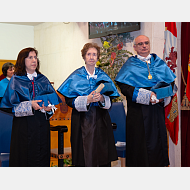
{"x": 107, "y": 103}
{"x": 81, "y": 103}
{"x": 23, "y": 109}
{"x": 143, "y": 96}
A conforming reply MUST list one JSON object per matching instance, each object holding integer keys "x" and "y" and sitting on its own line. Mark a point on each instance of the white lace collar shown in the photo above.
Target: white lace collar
{"x": 31, "y": 76}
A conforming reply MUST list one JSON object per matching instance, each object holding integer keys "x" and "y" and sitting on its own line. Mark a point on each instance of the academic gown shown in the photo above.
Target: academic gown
{"x": 3, "y": 86}
{"x": 30, "y": 138}
{"x": 92, "y": 139}
{"x": 146, "y": 131}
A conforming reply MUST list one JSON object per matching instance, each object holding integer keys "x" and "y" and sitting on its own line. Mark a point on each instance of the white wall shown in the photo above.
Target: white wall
{"x": 59, "y": 46}
{"x": 14, "y": 38}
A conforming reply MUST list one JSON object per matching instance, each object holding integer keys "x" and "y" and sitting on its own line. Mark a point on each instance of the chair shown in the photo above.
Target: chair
{"x": 118, "y": 116}
{"x": 60, "y": 122}
{"x": 60, "y": 155}
{"x": 5, "y": 137}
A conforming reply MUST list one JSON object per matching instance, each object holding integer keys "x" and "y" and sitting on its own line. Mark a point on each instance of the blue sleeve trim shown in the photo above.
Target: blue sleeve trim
{"x": 135, "y": 94}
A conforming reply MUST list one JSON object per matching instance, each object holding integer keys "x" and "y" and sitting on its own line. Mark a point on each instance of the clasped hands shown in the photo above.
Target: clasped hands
{"x": 153, "y": 101}
{"x": 95, "y": 97}
{"x": 36, "y": 106}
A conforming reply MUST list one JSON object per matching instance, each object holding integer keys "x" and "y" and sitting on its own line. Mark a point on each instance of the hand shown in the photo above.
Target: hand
{"x": 46, "y": 108}
{"x": 160, "y": 100}
{"x": 154, "y": 101}
{"x": 94, "y": 97}
{"x": 35, "y": 104}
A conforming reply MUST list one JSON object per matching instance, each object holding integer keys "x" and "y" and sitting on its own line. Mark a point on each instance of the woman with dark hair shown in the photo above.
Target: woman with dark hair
{"x": 30, "y": 95}
{"x": 8, "y": 71}
{"x": 92, "y": 140}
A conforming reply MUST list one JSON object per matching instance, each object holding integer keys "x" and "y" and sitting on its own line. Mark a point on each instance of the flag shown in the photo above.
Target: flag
{"x": 188, "y": 81}
{"x": 170, "y": 57}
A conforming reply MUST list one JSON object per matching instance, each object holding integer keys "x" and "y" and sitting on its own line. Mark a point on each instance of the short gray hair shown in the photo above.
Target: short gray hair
{"x": 138, "y": 36}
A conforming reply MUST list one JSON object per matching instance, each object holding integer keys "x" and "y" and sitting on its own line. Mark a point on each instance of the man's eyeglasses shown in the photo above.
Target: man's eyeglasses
{"x": 141, "y": 43}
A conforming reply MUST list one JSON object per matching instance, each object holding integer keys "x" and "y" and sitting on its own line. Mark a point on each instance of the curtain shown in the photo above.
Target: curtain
{"x": 185, "y": 114}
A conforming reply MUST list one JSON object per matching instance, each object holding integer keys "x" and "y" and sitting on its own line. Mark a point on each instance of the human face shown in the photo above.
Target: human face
{"x": 142, "y": 46}
{"x": 31, "y": 62}
{"x": 10, "y": 72}
{"x": 91, "y": 57}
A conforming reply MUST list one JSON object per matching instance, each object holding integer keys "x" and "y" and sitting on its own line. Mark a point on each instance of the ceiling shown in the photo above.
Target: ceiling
{"x": 23, "y": 23}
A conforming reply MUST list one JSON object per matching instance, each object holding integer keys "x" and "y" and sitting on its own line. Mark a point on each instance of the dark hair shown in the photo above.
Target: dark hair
{"x": 20, "y": 68}
{"x": 87, "y": 46}
{"x": 5, "y": 67}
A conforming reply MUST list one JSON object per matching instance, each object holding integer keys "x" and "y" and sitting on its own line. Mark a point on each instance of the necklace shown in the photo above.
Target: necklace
{"x": 149, "y": 75}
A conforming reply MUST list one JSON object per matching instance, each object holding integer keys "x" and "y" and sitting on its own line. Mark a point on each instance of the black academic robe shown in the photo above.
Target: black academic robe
{"x": 92, "y": 139}
{"x": 145, "y": 132}
{"x": 30, "y": 141}
{"x": 145, "y": 124}
{"x": 30, "y": 138}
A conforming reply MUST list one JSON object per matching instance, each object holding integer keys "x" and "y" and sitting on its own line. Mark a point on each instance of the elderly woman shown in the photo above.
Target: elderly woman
{"x": 92, "y": 140}
{"x": 8, "y": 71}
{"x": 29, "y": 94}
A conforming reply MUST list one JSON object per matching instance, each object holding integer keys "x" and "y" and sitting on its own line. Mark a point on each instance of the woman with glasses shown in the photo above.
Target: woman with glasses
{"x": 92, "y": 140}
{"x": 31, "y": 96}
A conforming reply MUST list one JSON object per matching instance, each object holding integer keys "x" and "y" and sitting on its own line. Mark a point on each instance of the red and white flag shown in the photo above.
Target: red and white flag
{"x": 170, "y": 57}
